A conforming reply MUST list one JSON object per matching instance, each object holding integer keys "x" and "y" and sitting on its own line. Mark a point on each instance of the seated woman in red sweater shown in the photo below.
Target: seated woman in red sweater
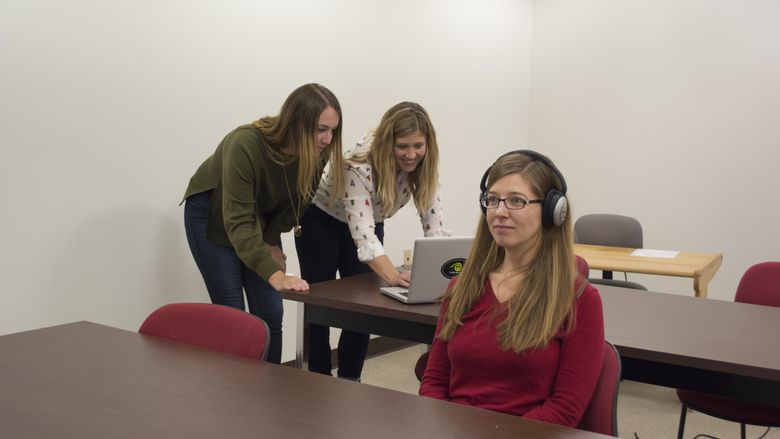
{"x": 520, "y": 331}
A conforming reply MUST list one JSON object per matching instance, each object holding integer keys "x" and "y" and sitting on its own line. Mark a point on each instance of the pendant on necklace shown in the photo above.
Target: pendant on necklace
{"x": 297, "y": 231}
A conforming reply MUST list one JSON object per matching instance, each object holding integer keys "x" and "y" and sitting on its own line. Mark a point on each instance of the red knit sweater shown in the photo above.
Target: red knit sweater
{"x": 553, "y": 384}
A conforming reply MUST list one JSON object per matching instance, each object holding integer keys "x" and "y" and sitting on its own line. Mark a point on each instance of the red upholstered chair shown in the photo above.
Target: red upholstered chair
{"x": 582, "y": 266}
{"x": 216, "y": 327}
{"x": 760, "y": 285}
{"x": 601, "y": 414}
{"x": 422, "y": 363}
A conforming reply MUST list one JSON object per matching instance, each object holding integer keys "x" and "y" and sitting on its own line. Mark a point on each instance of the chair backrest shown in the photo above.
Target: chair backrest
{"x": 760, "y": 285}
{"x": 419, "y": 367}
{"x": 608, "y": 229}
{"x": 582, "y": 266}
{"x": 601, "y": 414}
{"x": 216, "y": 327}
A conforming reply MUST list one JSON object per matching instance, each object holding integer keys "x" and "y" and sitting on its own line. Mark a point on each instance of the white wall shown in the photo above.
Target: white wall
{"x": 664, "y": 110}
{"x": 107, "y": 108}
{"x": 667, "y": 111}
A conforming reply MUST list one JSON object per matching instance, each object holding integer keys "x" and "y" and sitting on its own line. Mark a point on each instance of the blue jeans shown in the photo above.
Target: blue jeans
{"x": 228, "y": 278}
{"x": 326, "y": 246}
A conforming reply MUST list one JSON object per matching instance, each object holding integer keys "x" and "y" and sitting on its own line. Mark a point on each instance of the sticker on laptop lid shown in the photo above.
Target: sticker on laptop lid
{"x": 453, "y": 267}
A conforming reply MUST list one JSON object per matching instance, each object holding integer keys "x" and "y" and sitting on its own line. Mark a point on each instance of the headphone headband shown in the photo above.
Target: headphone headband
{"x": 535, "y": 156}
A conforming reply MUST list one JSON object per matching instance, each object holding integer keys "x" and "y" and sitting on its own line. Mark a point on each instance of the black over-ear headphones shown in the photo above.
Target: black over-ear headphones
{"x": 554, "y": 207}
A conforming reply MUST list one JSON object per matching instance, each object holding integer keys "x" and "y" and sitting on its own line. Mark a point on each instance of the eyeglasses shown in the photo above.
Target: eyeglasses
{"x": 511, "y": 203}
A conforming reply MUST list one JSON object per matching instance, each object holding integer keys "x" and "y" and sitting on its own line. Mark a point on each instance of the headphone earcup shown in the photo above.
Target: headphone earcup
{"x": 484, "y": 209}
{"x": 554, "y": 209}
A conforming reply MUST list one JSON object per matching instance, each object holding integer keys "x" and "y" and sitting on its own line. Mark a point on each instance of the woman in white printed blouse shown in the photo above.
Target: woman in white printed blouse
{"x": 344, "y": 232}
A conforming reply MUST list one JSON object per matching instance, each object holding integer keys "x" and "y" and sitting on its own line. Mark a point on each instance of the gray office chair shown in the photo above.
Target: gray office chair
{"x": 612, "y": 230}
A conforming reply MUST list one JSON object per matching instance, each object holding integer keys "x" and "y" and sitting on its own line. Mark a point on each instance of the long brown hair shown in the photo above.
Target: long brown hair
{"x": 296, "y": 127}
{"x": 544, "y": 300}
{"x": 401, "y": 120}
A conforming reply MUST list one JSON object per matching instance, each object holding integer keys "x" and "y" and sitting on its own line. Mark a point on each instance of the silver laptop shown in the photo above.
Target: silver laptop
{"x": 435, "y": 261}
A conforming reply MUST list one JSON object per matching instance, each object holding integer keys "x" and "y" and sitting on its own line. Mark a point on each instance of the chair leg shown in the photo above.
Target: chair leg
{"x": 681, "y": 427}
{"x": 742, "y": 430}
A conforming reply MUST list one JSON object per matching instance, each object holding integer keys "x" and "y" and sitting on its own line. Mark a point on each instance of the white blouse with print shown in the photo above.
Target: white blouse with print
{"x": 360, "y": 210}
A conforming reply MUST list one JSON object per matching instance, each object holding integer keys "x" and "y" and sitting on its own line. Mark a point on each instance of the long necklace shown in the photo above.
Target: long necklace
{"x": 297, "y": 230}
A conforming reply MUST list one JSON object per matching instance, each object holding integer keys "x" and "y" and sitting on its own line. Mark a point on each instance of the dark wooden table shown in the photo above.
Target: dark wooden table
{"x": 84, "y": 380}
{"x": 713, "y": 346}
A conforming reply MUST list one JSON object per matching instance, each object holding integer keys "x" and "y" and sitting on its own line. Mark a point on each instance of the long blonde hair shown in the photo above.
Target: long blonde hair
{"x": 401, "y": 120}
{"x": 296, "y": 127}
{"x": 544, "y": 300}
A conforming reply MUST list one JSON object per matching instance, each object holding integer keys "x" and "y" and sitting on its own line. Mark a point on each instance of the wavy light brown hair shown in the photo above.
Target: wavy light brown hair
{"x": 401, "y": 120}
{"x": 296, "y": 127}
{"x": 544, "y": 300}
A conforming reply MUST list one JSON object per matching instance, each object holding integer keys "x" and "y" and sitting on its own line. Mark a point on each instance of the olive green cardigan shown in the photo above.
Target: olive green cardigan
{"x": 250, "y": 206}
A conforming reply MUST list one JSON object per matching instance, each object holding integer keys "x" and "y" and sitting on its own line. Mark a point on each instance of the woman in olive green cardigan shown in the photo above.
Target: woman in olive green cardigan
{"x": 252, "y": 189}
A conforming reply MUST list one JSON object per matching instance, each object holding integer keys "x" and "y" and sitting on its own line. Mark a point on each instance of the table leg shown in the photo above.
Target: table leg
{"x": 699, "y": 287}
{"x": 702, "y": 279}
{"x": 302, "y": 339}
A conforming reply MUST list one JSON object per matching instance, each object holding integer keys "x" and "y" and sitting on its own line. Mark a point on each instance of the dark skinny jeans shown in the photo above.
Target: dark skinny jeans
{"x": 326, "y": 246}
{"x": 228, "y": 278}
